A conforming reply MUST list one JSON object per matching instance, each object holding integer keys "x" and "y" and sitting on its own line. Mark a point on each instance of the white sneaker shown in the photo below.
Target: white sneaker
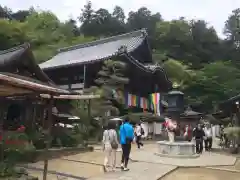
{"x": 122, "y": 166}
{"x": 125, "y": 169}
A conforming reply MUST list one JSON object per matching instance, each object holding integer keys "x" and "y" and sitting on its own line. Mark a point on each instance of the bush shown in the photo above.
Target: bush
{"x": 8, "y": 171}
{"x": 63, "y": 137}
{"x": 232, "y": 132}
{"x": 17, "y": 147}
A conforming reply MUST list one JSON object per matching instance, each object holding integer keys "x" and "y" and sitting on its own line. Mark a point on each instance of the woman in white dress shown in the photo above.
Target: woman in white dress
{"x": 110, "y": 145}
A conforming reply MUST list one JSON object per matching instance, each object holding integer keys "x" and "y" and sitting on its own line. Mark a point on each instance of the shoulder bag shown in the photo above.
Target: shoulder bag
{"x": 113, "y": 143}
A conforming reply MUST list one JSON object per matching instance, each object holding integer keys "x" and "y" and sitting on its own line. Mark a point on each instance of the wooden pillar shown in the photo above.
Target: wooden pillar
{"x": 1, "y": 132}
{"x": 3, "y": 108}
{"x": 47, "y": 129}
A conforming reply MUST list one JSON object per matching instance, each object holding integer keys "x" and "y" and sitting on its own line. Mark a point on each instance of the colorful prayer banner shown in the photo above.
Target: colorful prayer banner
{"x": 155, "y": 98}
{"x": 150, "y": 103}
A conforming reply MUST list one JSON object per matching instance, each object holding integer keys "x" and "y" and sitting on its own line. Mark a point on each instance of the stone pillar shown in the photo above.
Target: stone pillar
{"x": 171, "y": 136}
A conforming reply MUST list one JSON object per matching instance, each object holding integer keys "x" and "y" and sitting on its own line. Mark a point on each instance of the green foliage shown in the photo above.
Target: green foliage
{"x": 214, "y": 83}
{"x": 178, "y": 72}
{"x": 232, "y": 132}
{"x": 111, "y": 80}
{"x": 67, "y": 137}
{"x": 10, "y": 172}
{"x": 17, "y": 148}
{"x": 7, "y": 170}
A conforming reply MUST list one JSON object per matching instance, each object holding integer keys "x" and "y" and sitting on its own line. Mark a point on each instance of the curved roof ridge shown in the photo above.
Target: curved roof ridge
{"x": 146, "y": 69}
{"x": 21, "y": 57}
{"x": 141, "y": 32}
{"x": 23, "y": 46}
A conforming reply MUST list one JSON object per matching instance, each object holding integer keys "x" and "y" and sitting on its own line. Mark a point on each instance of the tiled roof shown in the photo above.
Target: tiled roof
{"x": 20, "y": 60}
{"x": 97, "y": 50}
{"x": 8, "y": 56}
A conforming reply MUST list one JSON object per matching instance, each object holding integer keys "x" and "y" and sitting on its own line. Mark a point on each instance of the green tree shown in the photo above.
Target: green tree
{"x": 232, "y": 31}
{"x": 119, "y": 14}
{"x": 111, "y": 79}
{"x": 214, "y": 83}
{"x": 11, "y": 34}
{"x": 178, "y": 73}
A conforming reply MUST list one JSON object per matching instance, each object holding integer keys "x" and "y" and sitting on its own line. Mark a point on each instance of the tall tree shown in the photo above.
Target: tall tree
{"x": 87, "y": 13}
{"x": 232, "y": 26}
{"x": 5, "y": 12}
{"x": 119, "y": 14}
{"x": 232, "y": 32}
{"x": 205, "y": 44}
{"x": 143, "y": 18}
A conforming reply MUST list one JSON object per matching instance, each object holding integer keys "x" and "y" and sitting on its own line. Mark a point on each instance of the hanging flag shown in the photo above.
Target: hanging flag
{"x": 142, "y": 102}
{"x": 126, "y": 98}
{"x": 155, "y": 97}
{"x": 145, "y": 103}
{"x": 133, "y": 100}
{"x": 129, "y": 99}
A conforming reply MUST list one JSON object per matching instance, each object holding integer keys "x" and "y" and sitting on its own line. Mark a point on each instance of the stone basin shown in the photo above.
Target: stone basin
{"x": 178, "y": 149}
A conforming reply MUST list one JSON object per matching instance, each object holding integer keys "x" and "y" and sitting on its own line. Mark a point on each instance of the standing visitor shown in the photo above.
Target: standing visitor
{"x": 171, "y": 127}
{"x": 208, "y": 140}
{"x": 139, "y": 132}
{"x": 110, "y": 145}
{"x": 126, "y": 138}
{"x": 199, "y": 134}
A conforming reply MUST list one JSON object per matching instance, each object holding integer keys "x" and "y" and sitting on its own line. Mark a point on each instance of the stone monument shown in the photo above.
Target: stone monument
{"x": 172, "y": 148}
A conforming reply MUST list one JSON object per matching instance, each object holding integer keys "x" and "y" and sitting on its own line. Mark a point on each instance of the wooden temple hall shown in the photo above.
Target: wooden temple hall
{"x": 76, "y": 67}
{"x": 28, "y": 96}
{"x": 24, "y": 85}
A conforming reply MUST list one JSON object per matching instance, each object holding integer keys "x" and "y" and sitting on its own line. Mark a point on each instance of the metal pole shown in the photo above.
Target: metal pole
{"x": 48, "y": 128}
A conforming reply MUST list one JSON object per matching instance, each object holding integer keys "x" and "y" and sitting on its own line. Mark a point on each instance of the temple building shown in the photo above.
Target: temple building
{"x": 77, "y": 67}
{"x": 22, "y": 83}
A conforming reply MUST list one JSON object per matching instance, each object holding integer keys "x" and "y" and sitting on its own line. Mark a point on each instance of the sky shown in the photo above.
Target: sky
{"x": 215, "y": 12}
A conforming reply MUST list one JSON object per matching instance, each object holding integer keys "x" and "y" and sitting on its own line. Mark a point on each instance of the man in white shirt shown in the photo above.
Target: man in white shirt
{"x": 138, "y": 134}
{"x": 208, "y": 139}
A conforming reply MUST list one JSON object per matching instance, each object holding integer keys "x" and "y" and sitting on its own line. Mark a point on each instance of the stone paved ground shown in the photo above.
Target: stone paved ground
{"x": 81, "y": 170}
{"x": 146, "y": 166}
{"x": 138, "y": 171}
{"x": 206, "y": 159}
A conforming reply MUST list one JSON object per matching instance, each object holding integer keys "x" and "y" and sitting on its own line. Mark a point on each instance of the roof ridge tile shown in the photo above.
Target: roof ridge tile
{"x": 141, "y": 32}
{"x": 24, "y": 46}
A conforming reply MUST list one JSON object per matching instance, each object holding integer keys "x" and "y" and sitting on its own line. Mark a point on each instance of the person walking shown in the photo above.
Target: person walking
{"x": 139, "y": 132}
{"x": 110, "y": 145}
{"x": 208, "y": 140}
{"x": 199, "y": 134}
{"x": 126, "y": 138}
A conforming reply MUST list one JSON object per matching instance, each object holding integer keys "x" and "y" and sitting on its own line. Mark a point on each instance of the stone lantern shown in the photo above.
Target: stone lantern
{"x": 175, "y": 103}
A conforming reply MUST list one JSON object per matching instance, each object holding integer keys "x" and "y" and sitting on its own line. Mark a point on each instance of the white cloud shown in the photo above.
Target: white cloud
{"x": 215, "y": 12}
